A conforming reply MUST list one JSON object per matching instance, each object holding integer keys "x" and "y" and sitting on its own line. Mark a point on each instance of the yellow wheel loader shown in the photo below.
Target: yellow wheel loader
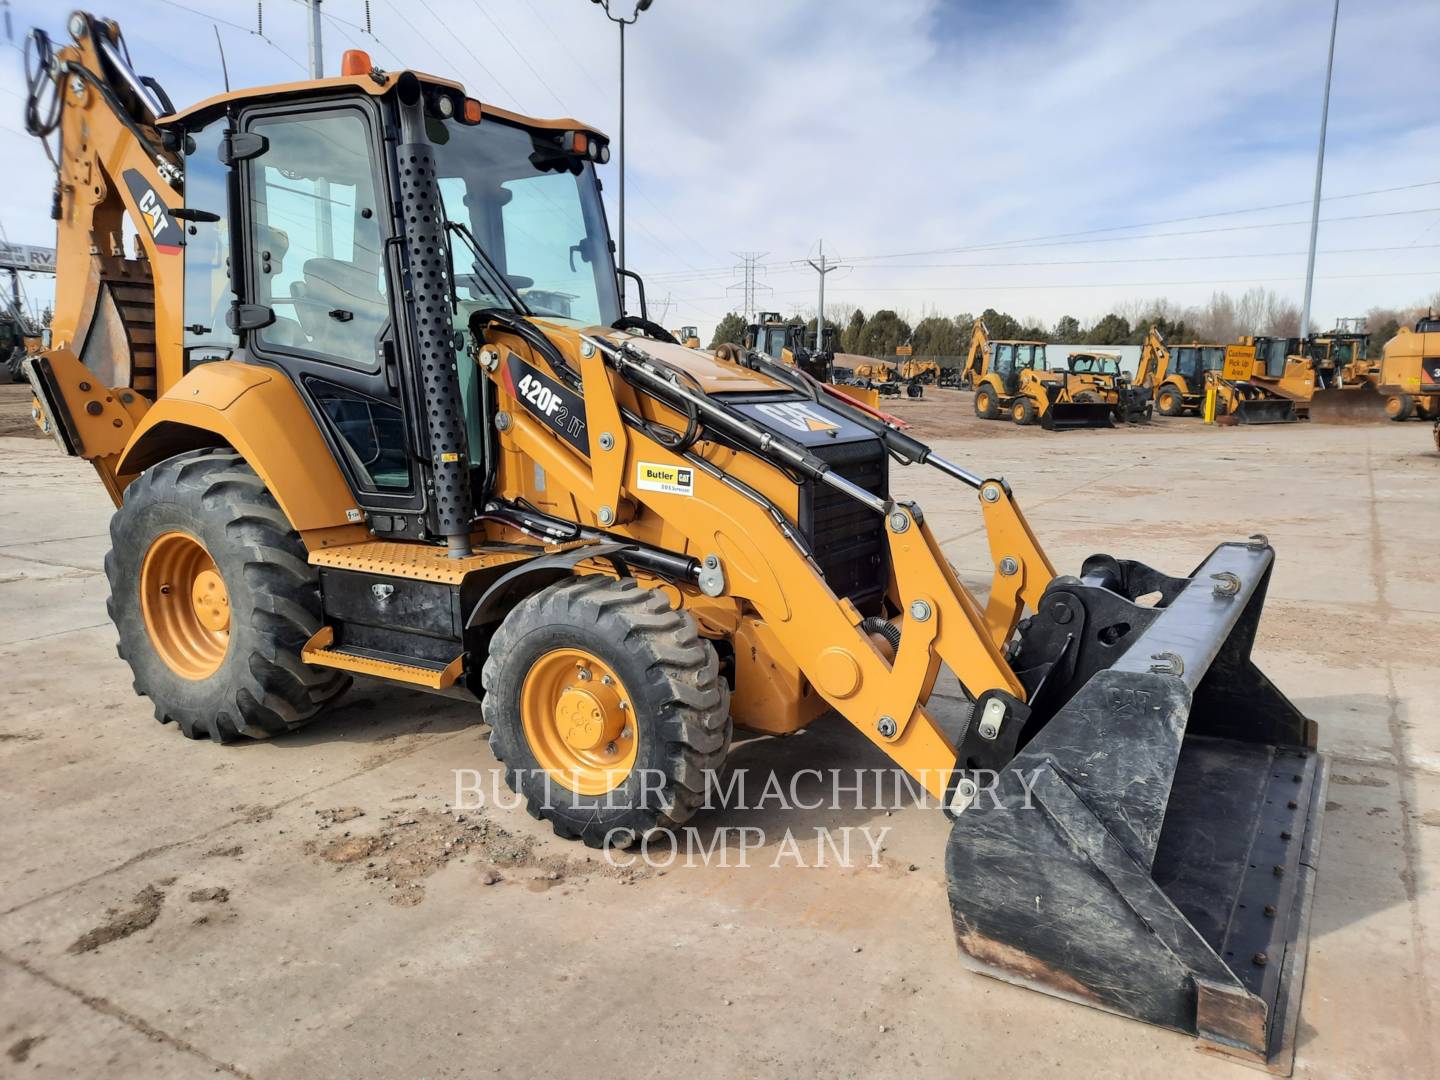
{"x": 363, "y": 415}
{"x": 1406, "y": 377}
{"x": 1096, "y": 376}
{"x": 1178, "y": 378}
{"x": 1011, "y": 381}
{"x": 689, "y": 336}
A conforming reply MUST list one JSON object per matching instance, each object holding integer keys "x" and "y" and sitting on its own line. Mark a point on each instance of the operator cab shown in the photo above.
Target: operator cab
{"x": 1094, "y": 364}
{"x": 322, "y": 284}
{"x": 1273, "y": 352}
{"x": 1009, "y": 358}
{"x": 1191, "y": 362}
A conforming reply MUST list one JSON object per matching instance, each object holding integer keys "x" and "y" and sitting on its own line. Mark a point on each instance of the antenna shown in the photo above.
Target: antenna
{"x": 225, "y": 71}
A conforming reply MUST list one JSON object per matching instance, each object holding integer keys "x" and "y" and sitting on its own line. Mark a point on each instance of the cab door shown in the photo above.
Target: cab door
{"x": 320, "y": 284}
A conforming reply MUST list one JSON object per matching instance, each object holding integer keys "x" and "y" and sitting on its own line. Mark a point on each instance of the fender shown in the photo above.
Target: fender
{"x": 261, "y": 415}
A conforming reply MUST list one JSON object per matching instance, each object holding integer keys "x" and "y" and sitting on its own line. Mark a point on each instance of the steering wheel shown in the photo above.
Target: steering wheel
{"x": 646, "y": 327}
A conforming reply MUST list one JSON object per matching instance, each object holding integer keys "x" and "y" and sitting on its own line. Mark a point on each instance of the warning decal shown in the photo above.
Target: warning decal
{"x": 670, "y": 479}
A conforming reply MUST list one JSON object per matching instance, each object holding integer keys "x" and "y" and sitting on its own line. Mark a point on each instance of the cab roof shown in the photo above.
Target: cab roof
{"x": 376, "y": 84}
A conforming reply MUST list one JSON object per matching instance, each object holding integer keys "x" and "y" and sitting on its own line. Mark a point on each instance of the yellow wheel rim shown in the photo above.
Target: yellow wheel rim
{"x": 579, "y": 721}
{"x": 186, "y": 605}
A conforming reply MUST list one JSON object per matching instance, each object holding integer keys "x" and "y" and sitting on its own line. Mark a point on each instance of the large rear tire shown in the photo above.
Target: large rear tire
{"x": 1400, "y": 406}
{"x": 1169, "y": 402}
{"x": 213, "y": 599}
{"x": 606, "y": 708}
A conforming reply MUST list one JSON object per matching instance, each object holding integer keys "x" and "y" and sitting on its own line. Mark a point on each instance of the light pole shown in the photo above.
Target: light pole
{"x": 1319, "y": 175}
{"x": 622, "y": 23}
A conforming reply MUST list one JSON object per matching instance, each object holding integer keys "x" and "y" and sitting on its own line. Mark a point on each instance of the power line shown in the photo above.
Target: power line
{"x": 1110, "y": 284}
{"x": 253, "y": 31}
{"x": 1034, "y": 240}
{"x": 523, "y": 58}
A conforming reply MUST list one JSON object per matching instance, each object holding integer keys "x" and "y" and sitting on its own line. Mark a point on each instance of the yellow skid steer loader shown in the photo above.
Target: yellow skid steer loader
{"x": 368, "y": 406}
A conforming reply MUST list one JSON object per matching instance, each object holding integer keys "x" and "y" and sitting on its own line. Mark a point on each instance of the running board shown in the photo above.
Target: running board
{"x": 321, "y": 652}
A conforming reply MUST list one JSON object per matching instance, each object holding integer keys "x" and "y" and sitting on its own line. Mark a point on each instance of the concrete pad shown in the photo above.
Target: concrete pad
{"x": 370, "y": 929}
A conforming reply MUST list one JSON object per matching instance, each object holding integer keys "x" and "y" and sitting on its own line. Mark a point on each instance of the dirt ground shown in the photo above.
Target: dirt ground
{"x": 15, "y": 418}
{"x": 318, "y": 906}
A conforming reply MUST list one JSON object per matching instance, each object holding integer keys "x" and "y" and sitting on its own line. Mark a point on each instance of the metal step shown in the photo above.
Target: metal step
{"x": 320, "y": 651}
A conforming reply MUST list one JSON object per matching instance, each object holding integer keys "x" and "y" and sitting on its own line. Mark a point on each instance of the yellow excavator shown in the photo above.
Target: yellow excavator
{"x": 1010, "y": 379}
{"x": 362, "y": 415}
{"x": 1179, "y": 377}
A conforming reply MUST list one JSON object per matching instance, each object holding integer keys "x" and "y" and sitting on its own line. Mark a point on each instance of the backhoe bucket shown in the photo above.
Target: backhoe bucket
{"x": 1265, "y": 410}
{"x": 1062, "y": 416}
{"x": 1358, "y": 404}
{"x": 1150, "y": 848}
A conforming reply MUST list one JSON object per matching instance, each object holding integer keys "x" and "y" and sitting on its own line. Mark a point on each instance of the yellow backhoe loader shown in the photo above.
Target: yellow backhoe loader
{"x": 1178, "y": 379}
{"x": 1096, "y": 376}
{"x": 362, "y": 414}
{"x": 689, "y": 336}
{"x": 1010, "y": 379}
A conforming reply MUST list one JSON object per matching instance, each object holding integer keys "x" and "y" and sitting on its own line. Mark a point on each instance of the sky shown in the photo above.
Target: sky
{"x": 1043, "y": 157}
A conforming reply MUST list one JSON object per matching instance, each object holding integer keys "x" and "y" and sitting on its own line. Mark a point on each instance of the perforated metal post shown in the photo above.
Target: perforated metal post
{"x": 427, "y": 263}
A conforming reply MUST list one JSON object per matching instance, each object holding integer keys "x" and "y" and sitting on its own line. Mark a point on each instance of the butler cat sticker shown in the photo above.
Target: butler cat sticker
{"x": 670, "y": 479}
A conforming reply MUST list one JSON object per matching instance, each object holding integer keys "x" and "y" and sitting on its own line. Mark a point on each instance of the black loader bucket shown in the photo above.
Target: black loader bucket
{"x": 1149, "y": 845}
{"x": 1358, "y": 404}
{"x": 1062, "y": 416}
{"x": 1134, "y": 405}
{"x": 1264, "y": 409}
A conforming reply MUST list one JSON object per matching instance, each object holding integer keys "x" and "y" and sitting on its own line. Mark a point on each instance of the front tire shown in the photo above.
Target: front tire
{"x": 986, "y": 407}
{"x": 1399, "y": 406}
{"x": 1023, "y": 412}
{"x": 213, "y": 600}
{"x": 606, "y": 709}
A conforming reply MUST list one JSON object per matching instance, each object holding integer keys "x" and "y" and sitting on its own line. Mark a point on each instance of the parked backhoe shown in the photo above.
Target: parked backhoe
{"x": 1096, "y": 376}
{"x": 367, "y": 405}
{"x": 1178, "y": 379}
{"x": 1011, "y": 380}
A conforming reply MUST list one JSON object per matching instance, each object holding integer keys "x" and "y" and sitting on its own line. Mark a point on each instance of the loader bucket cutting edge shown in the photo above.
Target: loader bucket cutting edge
{"x": 1150, "y": 850}
{"x": 1078, "y": 414}
{"x": 1265, "y": 411}
{"x": 1361, "y": 404}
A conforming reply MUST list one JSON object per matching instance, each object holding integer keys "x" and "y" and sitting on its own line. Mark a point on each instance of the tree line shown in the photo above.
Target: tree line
{"x": 1221, "y": 320}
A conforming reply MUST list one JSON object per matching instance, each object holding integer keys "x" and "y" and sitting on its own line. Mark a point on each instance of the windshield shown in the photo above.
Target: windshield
{"x": 1098, "y": 365}
{"x": 543, "y": 229}
{"x": 1273, "y": 351}
{"x": 1192, "y": 361}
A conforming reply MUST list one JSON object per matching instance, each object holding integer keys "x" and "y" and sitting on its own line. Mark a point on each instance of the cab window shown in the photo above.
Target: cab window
{"x": 315, "y": 237}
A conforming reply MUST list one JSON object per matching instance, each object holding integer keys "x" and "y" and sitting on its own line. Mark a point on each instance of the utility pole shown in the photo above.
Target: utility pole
{"x": 323, "y": 224}
{"x": 641, "y": 6}
{"x": 1319, "y": 175}
{"x": 822, "y": 268}
{"x": 749, "y": 265}
{"x": 317, "y": 56}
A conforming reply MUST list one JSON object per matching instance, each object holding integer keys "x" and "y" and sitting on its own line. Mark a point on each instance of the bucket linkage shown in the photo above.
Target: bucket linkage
{"x": 1148, "y": 844}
